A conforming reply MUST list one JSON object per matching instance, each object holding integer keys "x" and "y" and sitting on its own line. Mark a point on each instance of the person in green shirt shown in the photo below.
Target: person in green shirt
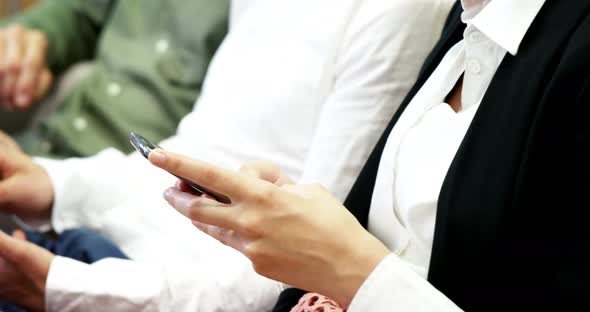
{"x": 149, "y": 62}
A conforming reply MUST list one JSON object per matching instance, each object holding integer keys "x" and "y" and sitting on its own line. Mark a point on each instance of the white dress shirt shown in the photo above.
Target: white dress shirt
{"x": 307, "y": 84}
{"x": 419, "y": 152}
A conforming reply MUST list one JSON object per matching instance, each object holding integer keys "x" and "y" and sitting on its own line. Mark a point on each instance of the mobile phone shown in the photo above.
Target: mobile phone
{"x": 144, "y": 147}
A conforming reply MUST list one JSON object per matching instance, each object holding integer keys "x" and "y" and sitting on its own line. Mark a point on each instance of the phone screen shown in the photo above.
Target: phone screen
{"x": 144, "y": 147}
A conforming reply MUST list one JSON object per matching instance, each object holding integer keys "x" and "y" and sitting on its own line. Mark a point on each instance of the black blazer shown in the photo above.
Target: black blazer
{"x": 512, "y": 231}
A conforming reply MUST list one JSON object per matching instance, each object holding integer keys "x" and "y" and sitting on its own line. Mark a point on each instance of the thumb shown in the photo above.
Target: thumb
{"x": 5, "y": 139}
{"x": 261, "y": 169}
{"x": 11, "y": 249}
{"x": 23, "y": 255}
{"x": 20, "y": 235}
{"x": 7, "y": 161}
{"x": 265, "y": 170}
{"x": 10, "y": 192}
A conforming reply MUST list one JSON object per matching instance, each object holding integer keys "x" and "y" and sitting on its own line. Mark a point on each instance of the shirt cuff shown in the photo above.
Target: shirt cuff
{"x": 394, "y": 285}
{"x": 63, "y": 273}
{"x": 63, "y": 179}
{"x": 113, "y": 284}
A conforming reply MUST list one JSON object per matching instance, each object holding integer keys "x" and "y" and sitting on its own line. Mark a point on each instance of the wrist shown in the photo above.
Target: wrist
{"x": 36, "y": 303}
{"x": 354, "y": 271}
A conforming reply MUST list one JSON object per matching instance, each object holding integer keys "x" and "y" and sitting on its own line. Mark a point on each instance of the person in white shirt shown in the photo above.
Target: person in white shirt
{"x": 475, "y": 198}
{"x": 306, "y": 84}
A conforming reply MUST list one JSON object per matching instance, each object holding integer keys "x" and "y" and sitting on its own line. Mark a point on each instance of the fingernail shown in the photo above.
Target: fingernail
{"x": 158, "y": 157}
{"x": 23, "y": 100}
{"x": 168, "y": 194}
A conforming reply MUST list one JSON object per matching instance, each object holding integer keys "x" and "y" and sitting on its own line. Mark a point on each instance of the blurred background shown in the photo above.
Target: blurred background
{"x": 8, "y": 7}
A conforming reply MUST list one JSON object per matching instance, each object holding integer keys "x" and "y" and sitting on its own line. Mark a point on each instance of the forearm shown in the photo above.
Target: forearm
{"x": 72, "y": 28}
{"x": 85, "y": 189}
{"x": 123, "y": 285}
{"x": 76, "y": 286}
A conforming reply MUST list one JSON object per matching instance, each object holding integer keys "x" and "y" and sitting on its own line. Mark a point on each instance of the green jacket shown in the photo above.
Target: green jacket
{"x": 151, "y": 58}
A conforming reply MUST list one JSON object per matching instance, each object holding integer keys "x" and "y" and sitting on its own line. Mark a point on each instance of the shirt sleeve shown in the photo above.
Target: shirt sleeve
{"x": 220, "y": 284}
{"x": 395, "y": 286}
{"x": 86, "y": 188}
{"x": 379, "y": 61}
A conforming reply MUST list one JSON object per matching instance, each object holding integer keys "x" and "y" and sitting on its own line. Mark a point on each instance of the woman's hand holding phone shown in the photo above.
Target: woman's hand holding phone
{"x": 297, "y": 234}
{"x": 145, "y": 147}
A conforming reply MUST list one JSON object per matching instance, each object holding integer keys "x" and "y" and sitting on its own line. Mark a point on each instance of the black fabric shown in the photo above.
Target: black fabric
{"x": 511, "y": 229}
{"x": 288, "y": 299}
{"x": 449, "y": 37}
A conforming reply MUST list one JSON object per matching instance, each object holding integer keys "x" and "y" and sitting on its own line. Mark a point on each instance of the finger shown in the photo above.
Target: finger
{"x": 10, "y": 249}
{"x": 45, "y": 82}
{"x": 33, "y": 63}
{"x": 7, "y": 140}
{"x": 19, "y": 234}
{"x": 30, "y": 259}
{"x": 13, "y": 56}
{"x": 266, "y": 170}
{"x": 9, "y": 161}
{"x": 262, "y": 169}
{"x": 2, "y": 47}
{"x": 234, "y": 185}
{"x": 201, "y": 209}
{"x": 10, "y": 192}
{"x": 3, "y": 68}
{"x": 224, "y": 236}
{"x": 7, "y": 194}
{"x": 3, "y": 136}
{"x": 218, "y": 233}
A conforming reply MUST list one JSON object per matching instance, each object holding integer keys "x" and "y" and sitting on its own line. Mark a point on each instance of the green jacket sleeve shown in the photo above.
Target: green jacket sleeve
{"x": 72, "y": 28}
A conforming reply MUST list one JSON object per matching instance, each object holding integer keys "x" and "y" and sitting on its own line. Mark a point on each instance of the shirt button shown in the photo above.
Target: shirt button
{"x": 474, "y": 66}
{"x": 113, "y": 89}
{"x": 162, "y": 46}
{"x": 80, "y": 124}
{"x": 475, "y": 36}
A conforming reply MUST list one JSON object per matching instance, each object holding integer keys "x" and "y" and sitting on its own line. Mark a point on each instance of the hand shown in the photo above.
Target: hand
{"x": 24, "y": 74}
{"x": 297, "y": 234}
{"x": 24, "y": 268}
{"x": 267, "y": 171}
{"x": 25, "y": 187}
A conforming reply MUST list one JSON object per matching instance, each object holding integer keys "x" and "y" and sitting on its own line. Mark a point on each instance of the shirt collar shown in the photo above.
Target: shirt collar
{"x": 506, "y": 22}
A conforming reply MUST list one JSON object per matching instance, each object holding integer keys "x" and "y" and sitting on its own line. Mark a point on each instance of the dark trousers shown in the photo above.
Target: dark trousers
{"x": 81, "y": 245}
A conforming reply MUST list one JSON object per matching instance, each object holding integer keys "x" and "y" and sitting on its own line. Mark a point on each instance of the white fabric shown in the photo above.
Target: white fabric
{"x": 307, "y": 84}
{"x": 419, "y": 152}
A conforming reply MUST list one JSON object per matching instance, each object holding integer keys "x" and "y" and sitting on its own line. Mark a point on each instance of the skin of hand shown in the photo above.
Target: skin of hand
{"x": 25, "y": 187}
{"x": 24, "y": 74}
{"x": 296, "y": 234}
{"x": 24, "y": 268}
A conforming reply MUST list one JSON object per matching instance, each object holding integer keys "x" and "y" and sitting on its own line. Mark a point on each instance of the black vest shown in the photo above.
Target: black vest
{"x": 511, "y": 229}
